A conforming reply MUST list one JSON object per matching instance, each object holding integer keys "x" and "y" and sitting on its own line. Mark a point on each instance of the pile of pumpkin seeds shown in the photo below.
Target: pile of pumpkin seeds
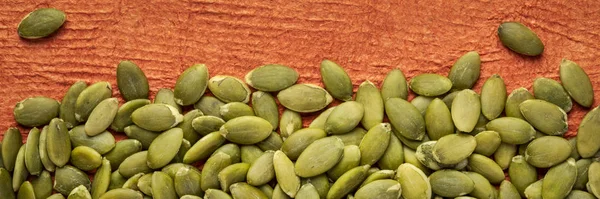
{"x": 448, "y": 142}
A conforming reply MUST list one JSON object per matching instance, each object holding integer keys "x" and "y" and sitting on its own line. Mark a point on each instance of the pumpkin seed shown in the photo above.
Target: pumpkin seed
{"x": 588, "y": 139}
{"x": 67, "y": 105}
{"x": 264, "y": 106}
{"x": 191, "y": 84}
{"x": 246, "y": 130}
{"x": 145, "y": 183}
{"x": 321, "y": 184}
{"x": 102, "y": 116}
{"x": 11, "y": 143}
{"x": 307, "y": 191}
{"x": 350, "y": 159}
{"x": 513, "y": 101}
{"x": 80, "y": 192}
{"x": 122, "y": 150}
{"x": 89, "y": 98}
{"x": 122, "y": 193}
{"x": 145, "y": 137}
{"x": 465, "y": 71}
{"x": 288, "y": 181}
{"x": 454, "y": 148}
{"x": 233, "y": 174}
{"x": 430, "y": 85}
{"x": 369, "y": 96}
{"x": 273, "y": 142}
{"x": 413, "y": 181}
{"x": 204, "y": 147}
{"x": 209, "y": 177}
{"x": 261, "y": 171}
{"x": 20, "y": 173}
{"x": 583, "y": 166}
{"x": 379, "y": 175}
{"x": 164, "y": 148}
{"x": 393, "y": 155}
{"x": 551, "y": 91}
{"x": 487, "y": 142}
{"x": 26, "y": 191}
{"x": 576, "y": 82}
{"x": 232, "y": 150}
{"x": 336, "y": 80}
{"x": 405, "y": 118}
{"x": 313, "y": 98}
{"x": 482, "y": 187}
{"x": 438, "y": 120}
{"x": 290, "y": 122}
{"x": 319, "y": 121}
{"x": 42, "y": 185}
{"x": 58, "y": 143}
{"x": 348, "y": 182}
{"x": 164, "y": 117}
{"x": 204, "y": 125}
{"x": 235, "y": 109}
{"x": 320, "y": 156}
{"x": 297, "y": 142}
{"x": 134, "y": 164}
{"x": 132, "y": 81}
{"x": 123, "y": 117}
{"x": 229, "y": 89}
{"x": 507, "y": 190}
{"x": 35, "y": 111}
{"x": 6, "y": 189}
{"x": 450, "y": 183}
{"x": 166, "y": 96}
{"x": 101, "y": 180}
{"x": 493, "y": 97}
{"x": 374, "y": 144}
{"x": 344, "y": 118}
{"x": 162, "y": 186}
{"x": 593, "y": 185}
{"x": 209, "y": 105}
{"x": 116, "y": 180}
{"x": 547, "y": 151}
{"x": 85, "y": 158}
{"x": 32, "y": 153}
{"x": 465, "y": 110}
{"x": 520, "y": 39}
{"x": 249, "y": 153}
{"x": 244, "y": 190}
{"x": 216, "y": 194}
{"x": 577, "y": 194}
{"x": 68, "y": 178}
{"x": 394, "y": 85}
{"x": 512, "y": 130}
{"x": 102, "y": 143}
{"x": 41, "y": 23}
{"x": 421, "y": 103}
{"x": 486, "y": 167}
{"x": 271, "y": 77}
{"x": 504, "y": 155}
{"x": 353, "y": 137}
{"x": 521, "y": 174}
{"x": 449, "y": 98}
{"x": 559, "y": 180}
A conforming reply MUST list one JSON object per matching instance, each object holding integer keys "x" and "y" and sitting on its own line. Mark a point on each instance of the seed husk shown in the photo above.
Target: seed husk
{"x": 430, "y": 85}
{"x": 512, "y": 130}
{"x": 20, "y": 173}
{"x": 244, "y": 190}
{"x": 233, "y": 174}
{"x": 465, "y": 110}
{"x": 351, "y": 158}
{"x": 320, "y": 156}
{"x": 164, "y": 117}
{"x": 11, "y": 143}
{"x": 450, "y": 183}
{"x": 209, "y": 105}
{"x": 166, "y": 96}
{"x": 134, "y": 164}
{"x": 132, "y": 81}
{"x": 68, "y": 177}
{"x": 85, "y": 158}
{"x": 493, "y": 97}
{"x": 578, "y": 194}
{"x": 264, "y": 106}
{"x": 216, "y": 194}
{"x": 229, "y": 89}
{"x": 122, "y": 150}
{"x": 67, "y": 105}
{"x": 551, "y": 91}
{"x": 35, "y": 111}
{"x": 102, "y": 116}
{"x": 191, "y": 84}
{"x": 438, "y": 120}
{"x": 6, "y": 189}
{"x": 204, "y": 125}
{"x": 582, "y": 174}
{"x": 209, "y": 177}
{"x": 273, "y": 142}
{"x": 393, "y": 155}
{"x": 89, "y": 98}
{"x": 235, "y": 109}
{"x": 421, "y": 103}
{"x": 271, "y": 77}
{"x": 405, "y": 118}
{"x": 41, "y": 23}
{"x": 593, "y": 185}
{"x": 290, "y": 122}
{"x": 313, "y": 98}
{"x": 164, "y": 148}
{"x": 487, "y": 142}
{"x": 513, "y": 101}
{"x": 454, "y": 148}
{"x": 576, "y": 82}
{"x": 465, "y": 71}
{"x": 520, "y": 39}
{"x": 374, "y": 144}
{"x": 42, "y": 185}
{"x": 246, "y": 130}
{"x": 521, "y": 174}
{"x": 413, "y": 181}
{"x": 261, "y": 171}
{"x": 336, "y": 80}
{"x": 588, "y": 138}
{"x": 348, "y": 182}
{"x": 486, "y": 167}
{"x": 123, "y": 117}
{"x": 58, "y": 142}
{"x": 504, "y": 155}
{"x": 162, "y": 186}
{"x": 547, "y": 151}
{"x": 344, "y": 118}
{"x": 122, "y": 193}
{"x": 288, "y": 181}
{"x": 102, "y": 143}
{"x": 26, "y": 191}
{"x": 369, "y": 96}
{"x": 101, "y": 180}
{"x": 482, "y": 187}
{"x": 559, "y": 180}
{"x": 507, "y": 190}
{"x": 116, "y": 180}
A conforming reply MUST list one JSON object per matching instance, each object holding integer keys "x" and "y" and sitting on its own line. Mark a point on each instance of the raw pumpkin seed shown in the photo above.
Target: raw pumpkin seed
{"x": 164, "y": 117}
{"x": 89, "y": 98}
{"x": 487, "y": 142}
{"x": 116, "y": 180}
{"x": 122, "y": 193}
{"x": 576, "y": 82}
{"x": 42, "y": 185}
{"x": 450, "y": 183}
{"x": 41, "y": 23}
{"x": 465, "y": 71}
{"x": 319, "y": 121}
{"x": 246, "y": 130}
{"x": 438, "y": 120}
{"x": 102, "y": 143}
{"x": 287, "y": 179}
{"x": 321, "y": 184}
{"x": 351, "y": 158}
{"x": 56, "y": 196}
{"x": 493, "y": 97}
{"x": 204, "y": 125}
{"x": 424, "y": 155}
{"x": 559, "y": 180}
{"x": 344, "y": 118}
{"x": 145, "y": 137}
{"x": 297, "y": 142}
{"x": 102, "y": 116}
{"x": 577, "y": 194}
{"x": 512, "y": 130}
{"x": 374, "y": 144}
{"x": 210, "y": 171}
{"x": 405, "y": 118}
{"x": 11, "y": 143}
{"x": 204, "y": 147}
{"x": 85, "y": 158}
{"x": 393, "y": 155}
{"x": 336, "y": 80}
{"x": 191, "y": 84}
{"x": 320, "y": 156}
{"x": 68, "y": 178}
{"x": 430, "y": 85}
{"x": 588, "y": 139}
{"x": 486, "y": 167}
{"x": 271, "y": 77}
{"x": 6, "y": 190}
{"x": 122, "y": 150}
{"x": 123, "y": 117}
{"x": 166, "y": 96}
{"x": 384, "y": 189}
{"x": 58, "y": 142}
{"x": 232, "y": 150}
{"x": 312, "y": 98}
{"x": 504, "y": 154}
{"x": 413, "y": 181}
{"x": 353, "y": 137}
{"x": 20, "y": 173}
{"x": 162, "y": 186}
{"x": 229, "y": 89}
{"x": 482, "y": 187}
{"x": 551, "y": 91}
{"x": 547, "y": 151}
{"x": 67, "y": 105}
{"x": 593, "y": 185}
{"x": 80, "y": 192}
{"x": 132, "y": 81}
{"x": 307, "y": 191}
{"x": 421, "y": 103}
{"x": 264, "y": 106}
{"x": 26, "y": 191}
{"x": 507, "y": 190}
{"x": 145, "y": 184}
{"x": 513, "y": 101}
{"x": 394, "y": 85}
{"x": 101, "y": 180}
{"x": 216, "y": 194}
{"x": 249, "y": 153}
{"x": 465, "y": 110}
{"x": 134, "y": 164}
{"x": 32, "y": 153}
{"x": 348, "y": 182}
{"x": 273, "y": 142}
{"x": 36, "y": 111}
{"x": 290, "y": 122}
{"x": 449, "y": 98}
{"x": 454, "y": 148}
{"x": 582, "y": 174}
{"x": 267, "y": 190}
{"x": 261, "y": 171}
{"x": 164, "y": 148}
{"x": 235, "y": 109}
{"x": 183, "y": 149}
{"x": 209, "y": 105}
{"x": 244, "y": 190}
{"x": 369, "y": 96}
{"x": 521, "y": 174}
{"x": 379, "y": 175}
{"x": 520, "y": 39}
{"x": 233, "y": 174}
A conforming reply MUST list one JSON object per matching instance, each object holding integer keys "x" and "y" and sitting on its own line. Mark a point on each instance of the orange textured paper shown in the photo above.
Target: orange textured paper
{"x": 367, "y": 38}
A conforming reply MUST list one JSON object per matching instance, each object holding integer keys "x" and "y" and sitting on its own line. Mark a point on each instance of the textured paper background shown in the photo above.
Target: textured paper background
{"x": 368, "y": 38}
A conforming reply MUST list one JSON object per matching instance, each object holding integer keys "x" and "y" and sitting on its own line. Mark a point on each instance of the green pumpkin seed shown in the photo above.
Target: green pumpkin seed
{"x": 290, "y": 122}
{"x": 430, "y": 85}
{"x": 267, "y": 190}
{"x": 297, "y": 142}
{"x": 204, "y": 125}
{"x": 424, "y": 155}
{"x": 85, "y": 158}
{"x": 122, "y": 193}
{"x": 480, "y": 126}
{"x": 313, "y": 98}
{"x": 164, "y": 117}
{"x": 35, "y": 111}
{"x": 374, "y": 144}
{"x": 486, "y": 167}
{"x": 80, "y": 192}
{"x": 261, "y": 171}
{"x": 449, "y": 98}
{"x": 116, "y": 180}
{"x": 216, "y": 194}
{"x": 56, "y": 196}
{"x": 209, "y": 178}
{"x": 26, "y": 191}
{"x": 145, "y": 183}
{"x": 68, "y": 178}
{"x": 450, "y": 183}
{"x": 145, "y": 137}
{"x": 264, "y": 106}
{"x": 410, "y": 157}
{"x": 521, "y": 174}
{"x": 454, "y": 148}
{"x": 273, "y": 142}
{"x": 209, "y": 105}
{"x": 123, "y": 117}
{"x": 246, "y": 130}
{"x": 393, "y": 155}
{"x": 438, "y": 120}
{"x": 67, "y": 105}
{"x": 20, "y": 173}
{"x": 232, "y": 150}
{"x": 512, "y": 130}
{"x": 574, "y": 154}
{"x": 89, "y": 98}
{"x": 236, "y": 109}
{"x": 166, "y": 96}
{"x": 279, "y": 194}
{"x": 101, "y": 180}
{"x": 233, "y": 174}
{"x": 576, "y": 82}
{"x": 11, "y": 143}
{"x": 351, "y": 158}
{"x": 588, "y": 139}
{"x": 102, "y": 143}
{"x": 307, "y": 191}
{"x": 191, "y": 84}
{"x": 271, "y": 77}
{"x": 559, "y": 180}
{"x": 320, "y": 156}
{"x": 493, "y": 97}
{"x": 482, "y": 187}
{"x": 520, "y": 39}
{"x": 164, "y": 148}
{"x": 58, "y": 142}
{"x": 577, "y": 194}
{"x": 336, "y": 80}
{"x": 465, "y": 110}
{"x": 162, "y": 186}
{"x": 132, "y": 182}
{"x": 405, "y": 118}
{"x": 547, "y": 151}
{"x": 229, "y": 89}
{"x": 319, "y": 121}
{"x": 42, "y": 185}
{"x": 369, "y": 96}
{"x": 344, "y": 118}
{"x": 288, "y": 181}
{"x": 102, "y": 116}
{"x": 134, "y": 164}
{"x": 379, "y": 175}
{"x": 583, "y": 166}
{"x": 41, "y": 23}
{"x": 244, "y": 190}
{"x": 551, "y": 91}
{"x": 513, "y": 101}
{"x": 173, "y": 168}
{"x": 421, "y": 103}
{"x": 487, "y": 142}
{"x": 249, "y": 153}
{"x": 132, "y": 81}
{"x": 504, "y": 155}
{"x": 348, "y": 182}
{"x": 394, "y": 85}
{"x": 32, "y": 153}
{"x": 465, "y": 71}
{"x": 6, "y": 189}
{"x": 593, "y": 186}
{"x": 507, "y": 191}
{"x": 320, "y": 182}
{"x": 183, "y": 149}
{"x": 122, "y": 150}
{"x": 413, "y": 181}
{"x": 353, "y": 137}
{"x": 385, "y": 189}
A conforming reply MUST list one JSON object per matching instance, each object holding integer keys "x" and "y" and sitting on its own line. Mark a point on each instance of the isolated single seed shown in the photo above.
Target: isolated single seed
{"x": 191, "y": 84}
{"x": 41, "y": 23}
{"x": 394, "y": 85}
{"x": 344, "y": 118}
{"x": 36, "y": 111}
{"x": 493, "y": 97}
{"x": 465, "y": 71}
{"x": 336, "y": 80}
{"x": 132, "y": 81}
{"x": 512, "y": 130}
{"x": 551, "y": 91}
{"x": 68, "y": 178}
{"x": 520, "y": 39}
{"x": 405, "y": 118}
{"x": 304, "y": 98}
{"x": 102, "y": 116}
{"x": 588, "y": 138}
{"x": 11, "y": 143}
{"x": 547, "y": 151}
{"x": 123, "y": 117}
{"x": 271, "y": 77}
{"x": 89, "y": 98}
{"x": 430, "y": 84}
{"x": 576, "y": 82}
{"x": 229, "y": 89}
{"x": 513, "y": 101}
{"x": 465, "y": 110}
{"x": 164, "y": 148}
{"x": 545, "y": 116}
{"x": 264, "y": 106}
{"x": 67, "y": 105}
{"x": 163, "y": 117}
{"x": 166, "y": 96}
